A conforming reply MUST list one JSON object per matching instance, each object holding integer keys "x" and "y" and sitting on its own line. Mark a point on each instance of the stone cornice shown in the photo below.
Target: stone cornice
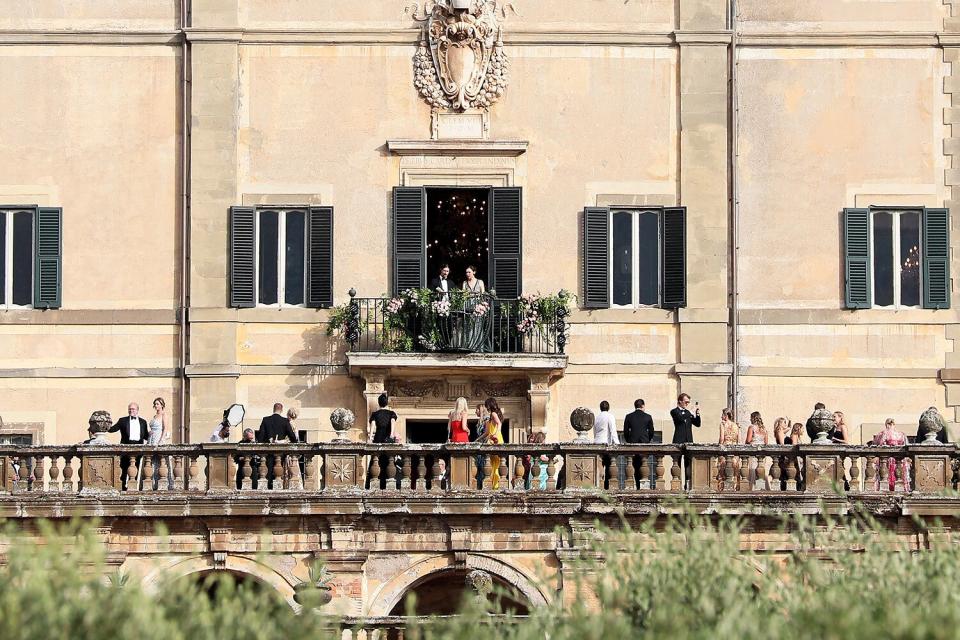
{"x": 384, "y": 35}
{"x": 174, "y": 37}
{"x": 448, "y": 363}
{"x": 509, "y": 148}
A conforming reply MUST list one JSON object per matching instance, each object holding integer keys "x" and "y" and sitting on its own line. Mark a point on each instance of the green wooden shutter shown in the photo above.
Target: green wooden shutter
{"x": 505, "y": 221}
{"x": 243, "y": 263}
{"x": 48, "y": 258}
{"x": 596, "y": 258}
{"x": 320, "y": 257}
{"x": 856, "y": 250}
{"x": 409, "y": 238}
{"x": 673, "y": 275}
{"x": 936, "y": 259}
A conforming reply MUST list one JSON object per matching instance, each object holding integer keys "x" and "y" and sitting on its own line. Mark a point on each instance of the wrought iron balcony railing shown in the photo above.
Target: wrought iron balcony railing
{"x": 456, "y": 322}
{"x": 335, "y": 468}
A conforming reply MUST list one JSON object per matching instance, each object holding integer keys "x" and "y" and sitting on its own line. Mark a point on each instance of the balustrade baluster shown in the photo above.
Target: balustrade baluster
{"x": 246, "y": 472}
{"x": 53, "y": 485}
{"x": 716, "y": 477}
{"x": 898, "y": 481}
{"x": 676, "y": 484}
{"x": 67, "y": 484}
{"x": 614, "y": 483}
{"x": 504, "y": 473}
{"x": 263, "y": 482}
{"x": 551, "y": 473}
{"x": 163, "y": 479}
{"x": 194, "y": 473}
{"x": 178, "y": 472}
{"x": 759, "y": 473}
{"x": 133, "y": 479}
{"x": 870, "y": 474}
{"x": 775, "y": 472}
{"x": 854, "y": 473}
{"x": 435, "y": 480}
{"x": 374, "y": 473}
{"x": 310, "y": 477}
{"x": 146, "y": 473}
{"x": 37, "y": 484}
{"x": 278, "y": 471}
{"x": 406, "y": 480}
{"x": 487, "y": 474}
{"x": 518, "y": 473}
{"x": 535, "y": 473}
{"x": 744, "y": 474}
{"x": 391, "y": 473}
{"x": 644, "y": 462}
{"x": 295, "y": 479}
{"x": 884, "y": 474}
{"x": 660, "y": 471}
{"x": 729, "y": 481}
{"x": 792, "y": 471}
{"x": 420, "y": 483}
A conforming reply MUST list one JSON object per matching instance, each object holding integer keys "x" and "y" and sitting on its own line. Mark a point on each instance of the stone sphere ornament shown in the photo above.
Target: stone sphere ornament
{"x": 582, "y": 421}
{"x": 342, "y": 421}
{"x": 100, "y": 423}
{"x": 823, "y": 423}
{"x": 931, "y": 423}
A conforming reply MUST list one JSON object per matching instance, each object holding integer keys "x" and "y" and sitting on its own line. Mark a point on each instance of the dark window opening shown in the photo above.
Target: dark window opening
{"x": 457, "y": 232}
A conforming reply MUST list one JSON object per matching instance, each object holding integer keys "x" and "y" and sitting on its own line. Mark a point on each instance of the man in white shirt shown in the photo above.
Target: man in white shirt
{"x": 221, "y": 433}
{"x": 605, "y": 427}
{"x": 605, "y": 433}
{"x": 133, "y": 430}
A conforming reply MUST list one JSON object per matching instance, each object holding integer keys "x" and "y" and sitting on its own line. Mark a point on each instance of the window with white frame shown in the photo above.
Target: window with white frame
{"x": 281, "y": 257}
{"x": 16, "y": 258}
{"x": 634, "y": 258}
{"x": 896, "y": 247}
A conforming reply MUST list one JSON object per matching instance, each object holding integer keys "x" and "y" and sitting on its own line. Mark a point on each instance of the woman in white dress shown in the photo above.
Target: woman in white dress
{"x": 159, "y": 435}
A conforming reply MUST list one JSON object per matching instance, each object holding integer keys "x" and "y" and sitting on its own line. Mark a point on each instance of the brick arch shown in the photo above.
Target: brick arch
{"x": 385, "y": 598}
{"x": 263, "y": 573}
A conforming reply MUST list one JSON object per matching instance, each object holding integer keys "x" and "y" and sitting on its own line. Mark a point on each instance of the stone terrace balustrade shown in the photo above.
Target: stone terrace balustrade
{"x": 331, "y": 469}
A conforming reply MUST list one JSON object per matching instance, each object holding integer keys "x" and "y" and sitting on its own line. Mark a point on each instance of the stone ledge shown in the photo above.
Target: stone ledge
{"x": 554, "y": 364}
{"x": 509, "y": 148}
{"x": 474, "y": 503}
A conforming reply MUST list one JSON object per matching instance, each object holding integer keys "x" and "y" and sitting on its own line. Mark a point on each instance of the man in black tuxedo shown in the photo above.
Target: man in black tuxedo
{"x": 638, "y": 429}
{"x": 683, "y": 423}
{"x": 274, "y": 428}
{"x": 133, "y": 430}
{"x": 638, "y": 425}
{"x": 441, "y": 284}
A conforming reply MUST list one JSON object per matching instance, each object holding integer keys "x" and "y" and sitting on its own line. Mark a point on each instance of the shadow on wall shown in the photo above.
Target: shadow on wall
{"x": 322, "y": 358}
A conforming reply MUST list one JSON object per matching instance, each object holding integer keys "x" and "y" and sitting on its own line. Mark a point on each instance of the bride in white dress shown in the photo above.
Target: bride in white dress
{"x": 159, "y": 434}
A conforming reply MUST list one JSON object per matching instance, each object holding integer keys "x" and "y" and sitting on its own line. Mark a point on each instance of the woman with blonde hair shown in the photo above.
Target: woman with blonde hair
{"x": 781, "y": 427}
{"x": 457, "y": 429}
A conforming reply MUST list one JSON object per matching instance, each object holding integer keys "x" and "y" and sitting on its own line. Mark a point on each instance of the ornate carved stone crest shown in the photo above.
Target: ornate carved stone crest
{"x": 460, "y": 63}
{"x": 416, "y": 388}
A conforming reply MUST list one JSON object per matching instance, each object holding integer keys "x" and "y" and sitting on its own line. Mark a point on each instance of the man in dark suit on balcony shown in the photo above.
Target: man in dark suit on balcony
{"x": 274, "y": 428}
{"x": 638, "y": 429}
{"x": 683, "y": 423}
{"x": 133, "y": 430}
{"x": 441, "y": 284}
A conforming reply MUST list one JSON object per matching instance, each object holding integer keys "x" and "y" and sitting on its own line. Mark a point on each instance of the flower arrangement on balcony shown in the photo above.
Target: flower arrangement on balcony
{"x": 454, "y": 321}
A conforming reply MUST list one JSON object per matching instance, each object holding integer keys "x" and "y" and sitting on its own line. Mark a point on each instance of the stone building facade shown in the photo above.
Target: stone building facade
{"x": 146, "y": 122}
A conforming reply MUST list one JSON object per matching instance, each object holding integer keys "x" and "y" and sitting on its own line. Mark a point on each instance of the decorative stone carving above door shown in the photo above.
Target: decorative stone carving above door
{"x": 460, "y": 63}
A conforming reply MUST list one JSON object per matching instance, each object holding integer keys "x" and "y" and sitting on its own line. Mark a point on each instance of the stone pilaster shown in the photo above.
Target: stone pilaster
{"x": 215, "y": 74}
{"x": 951, "y": 149}
{"x": 539, "y": 394}
{"x": 704, "y": 40}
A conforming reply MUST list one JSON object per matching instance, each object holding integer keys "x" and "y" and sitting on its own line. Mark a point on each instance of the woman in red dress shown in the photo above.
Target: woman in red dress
{"x": 457, "y": 428}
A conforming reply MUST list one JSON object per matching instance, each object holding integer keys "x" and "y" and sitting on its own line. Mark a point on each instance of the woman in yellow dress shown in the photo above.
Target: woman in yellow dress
{"x": 494, "y": 437}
